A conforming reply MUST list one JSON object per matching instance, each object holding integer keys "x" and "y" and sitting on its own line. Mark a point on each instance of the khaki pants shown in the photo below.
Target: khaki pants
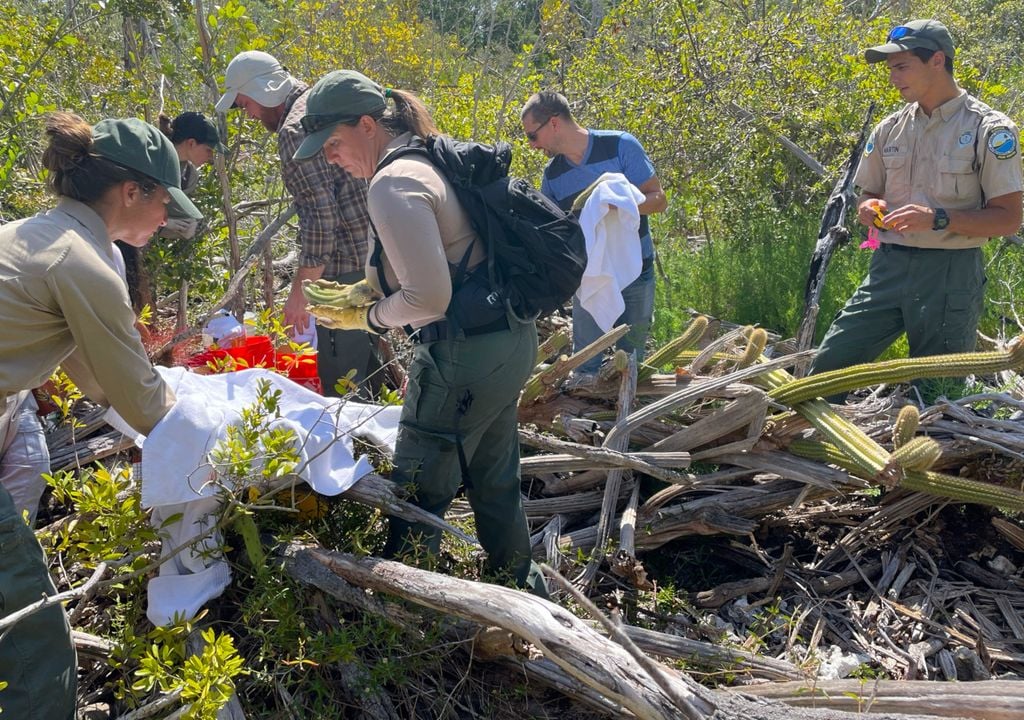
{"x": 24, "y": 456}
{"x": 37, "y": 657}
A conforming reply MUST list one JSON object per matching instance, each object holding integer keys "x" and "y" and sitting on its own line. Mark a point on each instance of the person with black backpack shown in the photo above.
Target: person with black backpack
{"x": 459, "y": 424}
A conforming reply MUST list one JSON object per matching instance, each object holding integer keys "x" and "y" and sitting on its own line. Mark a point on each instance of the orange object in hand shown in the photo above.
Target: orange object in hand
{"x": 877, "y": 219}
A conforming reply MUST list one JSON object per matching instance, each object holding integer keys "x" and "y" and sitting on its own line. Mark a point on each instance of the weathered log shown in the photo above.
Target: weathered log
{"x": 82, "y": 426}
{"x": 718, "y": 596}
{"x": 747, "y": 409}
{"x": 711, "y": 655}
{"x": 574, "y": 503}
{"x": 545, "y": 381}
{"x": 558, "y": 634}
{"x": 653, "y": 464}
{"x": 618, "y": 439}
{"x": 375, "y": 491}
{"x": 86, "y": 451}
{"x": 579, "y": 662}
{"x": 986, "y": 700}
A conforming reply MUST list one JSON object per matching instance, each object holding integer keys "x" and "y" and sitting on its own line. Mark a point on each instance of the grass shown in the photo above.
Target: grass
{"x": 754, "y": 273}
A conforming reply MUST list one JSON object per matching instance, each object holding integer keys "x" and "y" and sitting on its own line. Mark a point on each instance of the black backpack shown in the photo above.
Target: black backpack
{"x": 536, "y": 251}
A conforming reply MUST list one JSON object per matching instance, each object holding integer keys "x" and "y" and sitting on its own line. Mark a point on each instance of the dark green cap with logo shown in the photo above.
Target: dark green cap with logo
{"x": 926, "y": 34}
{"x": 339, "y": 96}
{"x": 139, "y": 146}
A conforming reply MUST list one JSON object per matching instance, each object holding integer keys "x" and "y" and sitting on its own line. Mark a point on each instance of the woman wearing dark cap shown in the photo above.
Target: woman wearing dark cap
{"x": 195, "y": 139}
{"x": 62, "y": 302}
{"x": 463, "y": 386}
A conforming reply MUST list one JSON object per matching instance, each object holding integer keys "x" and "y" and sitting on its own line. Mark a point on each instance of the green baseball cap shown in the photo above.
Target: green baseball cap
{"x": 339, "y": 96}
{"x": 139, "y": 146}
{"x": 927, "y": 34}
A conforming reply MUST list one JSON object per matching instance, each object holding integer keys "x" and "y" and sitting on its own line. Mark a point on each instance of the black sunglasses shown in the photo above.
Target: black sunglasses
{"x": 532, "y": 134}
{"x": 315, "y": 123}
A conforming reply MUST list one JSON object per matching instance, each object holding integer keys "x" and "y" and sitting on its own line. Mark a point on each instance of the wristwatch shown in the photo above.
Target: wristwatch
{"x": 941, "y": 221}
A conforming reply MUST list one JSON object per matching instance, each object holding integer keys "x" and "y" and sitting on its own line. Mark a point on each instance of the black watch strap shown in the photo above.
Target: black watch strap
{"x": 941, "y": 221}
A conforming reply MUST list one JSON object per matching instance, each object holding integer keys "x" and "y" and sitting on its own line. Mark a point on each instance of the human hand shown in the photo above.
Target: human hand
{"x": 295, "y": 313}
{"x": 326, "y": 292}
{"x": 910, "y": 218}
{"x": 868, "y": 212}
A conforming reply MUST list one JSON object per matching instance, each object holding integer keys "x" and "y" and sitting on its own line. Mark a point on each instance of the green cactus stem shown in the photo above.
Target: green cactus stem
{"x": 901, "y": 370}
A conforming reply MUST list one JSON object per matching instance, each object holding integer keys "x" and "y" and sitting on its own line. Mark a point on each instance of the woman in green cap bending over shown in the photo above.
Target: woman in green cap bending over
{"x": 63, "y": 302}
{"x": 459, "y": 418}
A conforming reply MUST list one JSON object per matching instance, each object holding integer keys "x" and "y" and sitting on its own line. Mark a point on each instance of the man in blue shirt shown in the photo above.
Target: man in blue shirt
{"x": 579, "y": 157}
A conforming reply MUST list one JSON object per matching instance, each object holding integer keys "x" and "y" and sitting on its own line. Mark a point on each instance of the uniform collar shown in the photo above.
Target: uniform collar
{"x": 947, "y": 110}
{"x": 87, "y": 217}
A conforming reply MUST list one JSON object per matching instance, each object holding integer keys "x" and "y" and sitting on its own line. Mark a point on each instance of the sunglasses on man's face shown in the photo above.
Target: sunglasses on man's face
{"x": 531, "y": 135}
{"x": 315, "y": 123}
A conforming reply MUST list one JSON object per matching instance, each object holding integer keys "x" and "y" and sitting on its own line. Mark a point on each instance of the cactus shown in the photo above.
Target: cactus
{"x": 964, "y": 490}
{"x": 918, "y": 454}
{"x": 756, "y": 342}
{"x": 670, "y": 352}
{"x": 907, "y": 422}
{"x": 902, "y": 370}
{"x": 824, "y": 452}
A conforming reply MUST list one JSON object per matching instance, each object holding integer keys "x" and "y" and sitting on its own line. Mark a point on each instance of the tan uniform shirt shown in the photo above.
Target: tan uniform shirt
{"x": 422, "y": 228}
{"x": 62, "y": 302}
{"x": 963, "y": 154}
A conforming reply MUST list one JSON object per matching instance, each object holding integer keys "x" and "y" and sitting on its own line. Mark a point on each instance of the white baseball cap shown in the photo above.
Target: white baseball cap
{"x": 257, "y": 75}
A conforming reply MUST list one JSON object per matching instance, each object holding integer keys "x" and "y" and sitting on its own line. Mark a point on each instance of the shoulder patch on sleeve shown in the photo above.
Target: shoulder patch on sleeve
{"x": 1002, "y": 142}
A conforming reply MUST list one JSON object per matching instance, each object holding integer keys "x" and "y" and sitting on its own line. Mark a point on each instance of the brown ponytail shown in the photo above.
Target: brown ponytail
{"x": 409, "y": 115}
{"x": 75, "y": 170}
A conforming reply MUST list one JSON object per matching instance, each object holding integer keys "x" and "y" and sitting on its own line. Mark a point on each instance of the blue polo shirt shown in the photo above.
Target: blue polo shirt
{"x": 607, "y": 151}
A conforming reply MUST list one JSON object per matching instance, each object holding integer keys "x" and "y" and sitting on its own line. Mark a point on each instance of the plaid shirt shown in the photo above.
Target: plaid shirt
{"x": 333, "y": 221}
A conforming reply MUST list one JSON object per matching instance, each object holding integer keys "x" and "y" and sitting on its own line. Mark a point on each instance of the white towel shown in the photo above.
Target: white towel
{"x": 177, "y": 477}
{"x": 611, "y": 226}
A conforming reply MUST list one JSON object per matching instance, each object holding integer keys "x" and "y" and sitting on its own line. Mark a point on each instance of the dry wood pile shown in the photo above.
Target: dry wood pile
{"x": 734, "y": 525}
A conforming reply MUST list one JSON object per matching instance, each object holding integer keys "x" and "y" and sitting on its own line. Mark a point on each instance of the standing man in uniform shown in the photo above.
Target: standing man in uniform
{"x": 333, "y": 221}
{"x": 579, "y": 157}
{"x": 943, "y": 173}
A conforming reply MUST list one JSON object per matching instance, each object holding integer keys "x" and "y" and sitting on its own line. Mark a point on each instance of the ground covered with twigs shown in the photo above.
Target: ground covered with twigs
{"x": 725, "y": 530}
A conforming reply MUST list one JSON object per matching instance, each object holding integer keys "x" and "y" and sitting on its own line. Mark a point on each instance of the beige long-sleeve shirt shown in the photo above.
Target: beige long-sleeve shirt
{"x": 63, "y": 303}
{"x": 423, "y": 230}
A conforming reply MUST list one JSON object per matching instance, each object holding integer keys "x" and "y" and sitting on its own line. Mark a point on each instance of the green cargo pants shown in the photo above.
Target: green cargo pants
{"x": 37, "y": 657}
{"x": 935, "y": 296}
{"x": 463, "y": 392}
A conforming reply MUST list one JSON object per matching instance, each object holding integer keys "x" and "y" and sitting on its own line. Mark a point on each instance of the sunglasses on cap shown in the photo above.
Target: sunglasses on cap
{"x": 531, "y": 135}
{"x": 902, "y": 32}
{"x": 899, "y": 32}
{"x": 315, "y": 123}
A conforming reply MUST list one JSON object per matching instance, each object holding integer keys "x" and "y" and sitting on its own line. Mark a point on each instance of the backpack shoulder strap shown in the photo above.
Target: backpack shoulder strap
{"x": 416, "y": 146}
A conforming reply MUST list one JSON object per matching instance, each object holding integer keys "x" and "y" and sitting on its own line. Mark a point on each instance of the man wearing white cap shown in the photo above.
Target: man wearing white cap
{"x": 333, "y": 221}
